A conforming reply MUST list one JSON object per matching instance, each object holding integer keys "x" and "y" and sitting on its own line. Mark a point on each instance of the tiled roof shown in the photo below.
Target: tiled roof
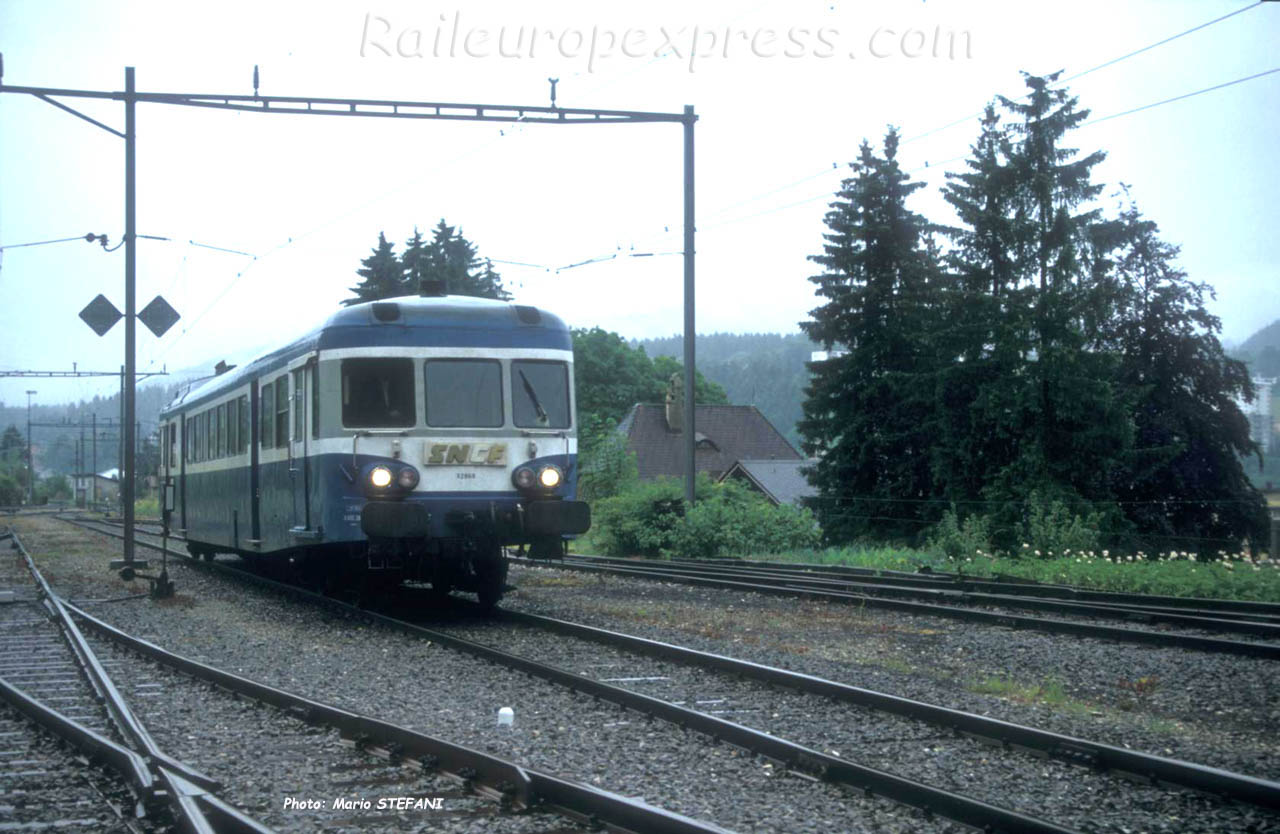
{"x": 725, "y": 434}
{"x": 780, "y": 480}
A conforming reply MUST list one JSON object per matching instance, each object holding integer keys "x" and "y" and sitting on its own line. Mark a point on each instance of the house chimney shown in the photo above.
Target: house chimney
{"x": 675, "y": 404}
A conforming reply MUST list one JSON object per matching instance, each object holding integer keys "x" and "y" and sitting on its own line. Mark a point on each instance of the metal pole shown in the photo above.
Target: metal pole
{"x": 689, "y": 333}
{"x": 130, "y": 308}
{"x": 94, "y": 480}
{"x": 31, "y": 468}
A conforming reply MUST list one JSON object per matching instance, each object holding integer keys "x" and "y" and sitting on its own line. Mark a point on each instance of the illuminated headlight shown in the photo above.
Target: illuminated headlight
{"x": 408, "y": 478}
{"x": 524, "y": 478}
{"x": 549, "y": 477}
{"x": 380, "y": 477}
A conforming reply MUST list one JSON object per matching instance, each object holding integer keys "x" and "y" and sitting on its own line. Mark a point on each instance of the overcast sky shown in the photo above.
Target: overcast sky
{"x": 784, "y": 92}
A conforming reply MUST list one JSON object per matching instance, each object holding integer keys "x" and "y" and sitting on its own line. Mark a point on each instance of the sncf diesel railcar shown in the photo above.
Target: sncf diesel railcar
{"x": 407, "y": 439}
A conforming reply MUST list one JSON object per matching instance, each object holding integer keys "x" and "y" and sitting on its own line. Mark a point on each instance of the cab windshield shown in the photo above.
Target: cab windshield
{"x": 540, "y": 394}
{"x": 377, "y": 393}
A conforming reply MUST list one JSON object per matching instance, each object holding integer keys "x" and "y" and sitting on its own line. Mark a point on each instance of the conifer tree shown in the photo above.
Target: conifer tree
{"x": 415, "y": 262}
{"x": 1183, "y": 486}
{"x": 382, "y": 275}
{"x": 453, "y": 259}
{"x": 868, "y": 411}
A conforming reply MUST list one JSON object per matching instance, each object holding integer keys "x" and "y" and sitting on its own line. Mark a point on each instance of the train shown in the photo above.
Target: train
{"x": 403, "y": 440}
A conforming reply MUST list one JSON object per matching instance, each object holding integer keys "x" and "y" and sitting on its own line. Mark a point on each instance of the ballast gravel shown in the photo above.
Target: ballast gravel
{"x": 1190, "y": 705}
{"x": 419, "y": 684}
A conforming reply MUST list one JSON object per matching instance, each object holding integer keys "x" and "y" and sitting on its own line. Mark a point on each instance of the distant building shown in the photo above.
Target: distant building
{"x": 103, "y": 487}
{"x": 1258, "y": 413}
{"x": 781, "y": 481}
{"x": 724, "y": 435}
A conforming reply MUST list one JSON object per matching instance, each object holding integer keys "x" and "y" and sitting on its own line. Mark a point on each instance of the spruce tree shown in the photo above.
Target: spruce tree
{"x": 1184, "y": 486}
{"x": 415, "y": 262}
{"x": 868, "y": 410}
{"x": 382, "y": 275}
{"x": 453, "y": 259}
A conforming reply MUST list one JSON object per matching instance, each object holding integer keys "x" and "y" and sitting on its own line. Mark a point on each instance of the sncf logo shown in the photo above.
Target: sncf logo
{"x": 465, "y": 454}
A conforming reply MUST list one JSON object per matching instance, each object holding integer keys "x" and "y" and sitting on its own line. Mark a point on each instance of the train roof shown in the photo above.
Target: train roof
{"x": 408, "y": 321}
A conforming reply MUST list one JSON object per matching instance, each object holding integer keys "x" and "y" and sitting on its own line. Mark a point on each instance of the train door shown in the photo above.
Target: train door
{"x": 299, "y": 461}
{"x": 169, "y": 471}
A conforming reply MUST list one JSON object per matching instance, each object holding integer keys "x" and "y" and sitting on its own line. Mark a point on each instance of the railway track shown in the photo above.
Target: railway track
{"x": 378, "y": 776}
{"x": 969, "y": 606}
{"x": 632, "y": 673}
{"x": 52, "y": 679}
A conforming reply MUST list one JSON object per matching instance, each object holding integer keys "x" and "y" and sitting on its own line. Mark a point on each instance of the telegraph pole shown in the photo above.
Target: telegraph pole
{"x": 31, "y": 469}
{"x": 130, "y": 309}
{"x": 690, "y": 445}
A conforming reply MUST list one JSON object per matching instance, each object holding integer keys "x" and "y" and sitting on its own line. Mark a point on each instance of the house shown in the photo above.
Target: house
{"x": 724, "y": 435}
{"x": 99, "y": 488}
{"x": 781, "y": 481}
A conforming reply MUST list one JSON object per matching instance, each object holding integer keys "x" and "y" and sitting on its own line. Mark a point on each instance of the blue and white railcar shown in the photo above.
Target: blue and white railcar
{"x": 411, "y": 438}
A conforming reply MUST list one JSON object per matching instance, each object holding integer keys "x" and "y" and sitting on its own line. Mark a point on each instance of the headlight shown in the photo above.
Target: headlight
{"x": 524, "y": 478}
{"x": 380, "y": 477}
{"x": 408, "y": 478}
{"x": 549, "y": 477}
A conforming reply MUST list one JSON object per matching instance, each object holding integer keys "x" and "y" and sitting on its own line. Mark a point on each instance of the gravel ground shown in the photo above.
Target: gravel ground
{"x": 1213, "y": 709}
{"x": 276, "y": 767}
{"x": 1072, "y": 796}
{"x": 41, "y": 781}
{"x": 418, "y": 684}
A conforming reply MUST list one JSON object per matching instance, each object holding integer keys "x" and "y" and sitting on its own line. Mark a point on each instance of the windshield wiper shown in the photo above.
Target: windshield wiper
{"x": 537, "y": 406}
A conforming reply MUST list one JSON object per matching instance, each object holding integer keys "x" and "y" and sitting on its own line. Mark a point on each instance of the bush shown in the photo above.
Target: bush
{"x": 958, "y": 540}
{"x": 1051, "y": 527}
{"x": 650, "y": 519}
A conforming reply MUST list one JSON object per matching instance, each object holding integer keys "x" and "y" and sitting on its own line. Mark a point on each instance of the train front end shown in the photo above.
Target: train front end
{"x": 456, "y": 418}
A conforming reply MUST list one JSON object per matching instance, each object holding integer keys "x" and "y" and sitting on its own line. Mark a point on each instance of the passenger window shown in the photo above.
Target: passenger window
{"x": 540, "y": 394}
{"x": 464, "y": 393}
{"x": 220, "y": 417}
{"x": 267, "y": 412}
{"x": 378, "y": 393}
{"x": 282, "y": 410}
{"x": 315, "y": 401}
{"x": 243, "y": 421}
{"x": 299, "y": 410}
{"x": 233, "y": 428}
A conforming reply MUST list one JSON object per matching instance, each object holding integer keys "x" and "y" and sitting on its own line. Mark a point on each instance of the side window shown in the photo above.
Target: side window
{"x": 220, "y": 417}
{"x": 299, "y": 406}
{"x": 208, "y": 446}
{"x": 267, "y": 415}
{"x": 233, "y": 428}
{"x": 243, "y": 422}
{"x": 315, "y": 400}
{"x": 173, "y": 444}
{"x": 186, "y": 447}
{"x": 282, "y": 410}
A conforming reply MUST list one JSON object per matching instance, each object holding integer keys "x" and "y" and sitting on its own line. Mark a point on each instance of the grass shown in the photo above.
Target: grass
{"x": 1049, "y": 692}
{"x": 1226, "y": 576}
